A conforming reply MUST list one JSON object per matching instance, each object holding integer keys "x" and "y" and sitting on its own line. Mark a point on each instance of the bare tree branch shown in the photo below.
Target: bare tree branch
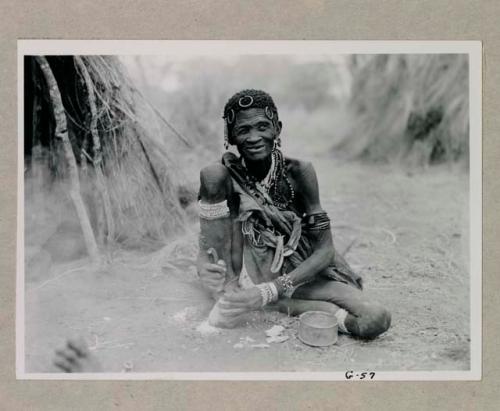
{"x": 97, "y": 160}
{"x": 61, "y": 132}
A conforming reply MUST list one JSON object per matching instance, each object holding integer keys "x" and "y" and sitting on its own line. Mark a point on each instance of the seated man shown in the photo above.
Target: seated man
{"x": 261, "y": 214}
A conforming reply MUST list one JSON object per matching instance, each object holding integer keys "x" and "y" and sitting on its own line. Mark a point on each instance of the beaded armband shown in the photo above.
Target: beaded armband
{"x": 213, "y": 211}
{"x": 317, "y": 222}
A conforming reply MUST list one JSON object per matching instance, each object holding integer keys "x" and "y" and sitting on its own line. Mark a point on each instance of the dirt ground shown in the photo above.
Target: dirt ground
{"x": 405, "y": 233}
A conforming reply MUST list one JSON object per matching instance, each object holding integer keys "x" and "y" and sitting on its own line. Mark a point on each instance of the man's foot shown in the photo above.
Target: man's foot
{"x": 76, "y": 357}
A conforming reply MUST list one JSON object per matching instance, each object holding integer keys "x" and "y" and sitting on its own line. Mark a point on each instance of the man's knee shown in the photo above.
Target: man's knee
{"x": 374, "y": 321}
{"x": 214, "y": 183}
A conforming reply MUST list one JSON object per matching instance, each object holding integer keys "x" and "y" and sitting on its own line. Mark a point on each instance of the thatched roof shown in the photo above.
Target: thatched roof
{"x": 141, "y": 181}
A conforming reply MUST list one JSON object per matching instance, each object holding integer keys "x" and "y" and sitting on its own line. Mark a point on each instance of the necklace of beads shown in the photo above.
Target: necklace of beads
{"x": 281, "y": 189}
{"x": 266, "y": 181}
{"x": 276, "y": 183}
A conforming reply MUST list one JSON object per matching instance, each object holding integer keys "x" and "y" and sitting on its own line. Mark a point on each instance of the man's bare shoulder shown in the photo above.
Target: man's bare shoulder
{"x": 219, "y": 169}
{"x": 214, "y": 176}
{"x": 215, "y": 169}
{"x": 300, "y": 170}
{"x": 304, "y": 178}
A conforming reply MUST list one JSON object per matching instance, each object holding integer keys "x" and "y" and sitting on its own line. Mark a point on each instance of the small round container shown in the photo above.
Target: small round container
{"x": 318, "y": 328}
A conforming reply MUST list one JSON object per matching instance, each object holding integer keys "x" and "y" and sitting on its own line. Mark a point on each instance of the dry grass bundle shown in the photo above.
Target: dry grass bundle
{"x": 129, "y": 183}
{"x": 409, "y": 106}
{"x": 139, "y": 171}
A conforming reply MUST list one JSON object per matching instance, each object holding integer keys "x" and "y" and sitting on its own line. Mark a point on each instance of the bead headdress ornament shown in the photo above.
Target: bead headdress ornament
{"x": 245, "y": 101}
{"x": 229, "y": 119}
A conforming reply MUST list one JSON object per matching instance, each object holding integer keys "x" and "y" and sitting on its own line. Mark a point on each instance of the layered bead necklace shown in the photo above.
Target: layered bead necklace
{"x": 276, "y": 183}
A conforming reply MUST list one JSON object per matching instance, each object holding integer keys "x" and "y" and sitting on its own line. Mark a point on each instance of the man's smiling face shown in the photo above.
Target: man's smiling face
{"x": 254, "y": 134}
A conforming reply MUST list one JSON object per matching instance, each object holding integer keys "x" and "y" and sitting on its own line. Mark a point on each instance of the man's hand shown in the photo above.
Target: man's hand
{"x": 213, "y": 276}
{"x": 76, "y": 357}
{"x": 239, "y": 302}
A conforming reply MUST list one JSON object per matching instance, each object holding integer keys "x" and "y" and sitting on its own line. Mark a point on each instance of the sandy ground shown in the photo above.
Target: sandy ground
{"x": 406, "y": 234}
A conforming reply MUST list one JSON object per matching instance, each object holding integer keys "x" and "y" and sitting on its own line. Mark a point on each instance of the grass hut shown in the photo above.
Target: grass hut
{"x": 97, "y": 169}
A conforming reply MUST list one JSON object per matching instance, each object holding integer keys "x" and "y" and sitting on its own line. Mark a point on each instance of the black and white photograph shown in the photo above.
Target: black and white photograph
{"x": 304, "y": 210}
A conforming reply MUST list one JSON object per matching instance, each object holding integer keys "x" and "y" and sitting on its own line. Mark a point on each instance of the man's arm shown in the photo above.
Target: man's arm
{"x": 307, "y": 192}
{"x": 216, "y": 228}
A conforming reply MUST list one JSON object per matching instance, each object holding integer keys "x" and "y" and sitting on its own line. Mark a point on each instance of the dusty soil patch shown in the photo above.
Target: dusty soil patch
{"x": 406, "y": 234}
